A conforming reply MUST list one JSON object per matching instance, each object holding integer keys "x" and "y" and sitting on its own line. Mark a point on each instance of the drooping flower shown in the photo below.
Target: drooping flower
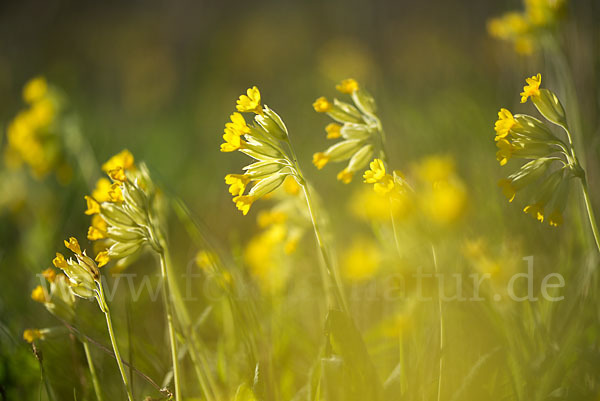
{"x": 322, "y": 105}
{"x": 505, "y": 122}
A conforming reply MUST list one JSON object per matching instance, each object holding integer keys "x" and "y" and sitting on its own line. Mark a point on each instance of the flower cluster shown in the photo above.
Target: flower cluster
{"x": 525, "y": 137}
{"x": 124, "y": 210}
{"x": 32, "y": 135}
{"x": 266, "y": 141}
{"x": 523, "y": 29}
{"x": 357, "y": 125}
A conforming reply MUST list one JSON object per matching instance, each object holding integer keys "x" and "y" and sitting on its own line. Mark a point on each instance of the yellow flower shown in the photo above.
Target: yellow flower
{"x": 204, "y": 260}
{"x": 445, "y": 203}
{"x": 333, "y": 130}
{"x": 524, "y": 45}
{"x": 237, "y": 183}
{"x": 243, "y": 203}
{"x": 250, "y": 102}
{"x": 39, "y": 295}
{"x": 361, "y": 260}
{"x": 35, "y": 89}
{"x": 555, "y": 219}
{"x": 536, "y": 211}
{"x": 49, "y": 274}
{"x": 507, "y": 189}
{"x": 118, "y": 174}
{"x": 237, "y": 125}
{"x": 232, "y": 143}
{"x": 101, "y": 192}
{"x": 505, "y": 149}
{"x": 345, "y": 176}
{"x": 320, "y": 159}
{"x": 376, "y": 173}
{"x": 435, "y": 168}
{"x": 322, "y": 105}
{"x": 93, "y": 207}
{"x": 532, "y": 88}
{"x": 73, "y": 245}
{"x": 30, "y": 335}
{"x": 102, "y": 258}
{"x": 385, "y": 185}
{"x": 98, "y": 228}
{"x": 348, "y": 86}
{"x": 291, "y": 186}
{"x": 266, "y": 218}
{"x": 122, "y": 159}
{"x": 59, "y": 261}
{"x": 504, "y": 124}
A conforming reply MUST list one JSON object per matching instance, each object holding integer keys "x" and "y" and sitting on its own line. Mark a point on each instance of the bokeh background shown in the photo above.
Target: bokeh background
{"x": 161, "y": 78}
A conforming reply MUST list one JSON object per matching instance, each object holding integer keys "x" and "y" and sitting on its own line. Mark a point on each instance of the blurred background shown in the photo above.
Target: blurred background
{"x": 161, "y": 78}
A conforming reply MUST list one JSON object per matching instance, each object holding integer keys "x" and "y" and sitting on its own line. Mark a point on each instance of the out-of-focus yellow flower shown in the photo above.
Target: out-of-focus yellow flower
{"x": 123, "y": 159}
{"x": 291, "y": 186}
{"x": 556, "y": 218}
{"x": 49, "y": 274}
{"x": 435, "y": 168}
{"x": 39, "y": 295}
{"x": 97, "y": 229}
{"x": 361, "y": 260}
{"x": 322, "y": 105}
{"x": 101, "y": 191}
{"x": 264, "y": 260}
{"x": 532, "y": 88}
{"x": 35, "y": 89}
{"x": 445, "y": 202}
{"x": 269, "y": 217}
{"x": 347, "y": 86}
{"x": 204, "y": 259}
{"x": 369, "y": 205}
{"x": 320, "y": 159}
{"x": 334, "y": 130}
{"x": 250, "y": 102}
{"x": 345, "y": 176}
{"x": 30, "y": 335}
{"x": 505, "y": 150}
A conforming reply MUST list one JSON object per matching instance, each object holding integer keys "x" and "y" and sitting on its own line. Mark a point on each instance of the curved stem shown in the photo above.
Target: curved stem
{"x": 590, "y": 212}
{"x": 88, "y": 357}
{"x": 171, "y": 326}
{"x": 113, "y": 341}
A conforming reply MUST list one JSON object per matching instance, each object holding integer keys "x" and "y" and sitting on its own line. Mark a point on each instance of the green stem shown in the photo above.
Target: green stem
{"x": 171, "y": 326}
{"x": 441, "y": 318}
{"x": 113, "y": 341}
{"x": 88, "y": 356}
{"x": 590, "y": 212}
{"x": 332, "y": 273}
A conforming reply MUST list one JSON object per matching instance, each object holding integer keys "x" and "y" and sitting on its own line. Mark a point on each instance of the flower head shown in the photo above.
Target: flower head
{"x": 93, "y": 207}
{"x": 322, "y": 105}
{"x": 232, "y": 143}
{"x": 250, "y": 102}
{"x": 507, "y": 189}
{"x": 101, "y": 191}
{"x": 532, "y": 88}
{"x": 347, "y": 86}
{"x": 237, "y": 125}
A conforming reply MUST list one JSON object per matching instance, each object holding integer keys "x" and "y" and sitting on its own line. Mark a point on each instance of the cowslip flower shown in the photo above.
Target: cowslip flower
{"x": 356, "y": 124}
{"x": 504, "y": 124}
{"x": 250, "y": 102}
{"x": 532, "y": 88}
